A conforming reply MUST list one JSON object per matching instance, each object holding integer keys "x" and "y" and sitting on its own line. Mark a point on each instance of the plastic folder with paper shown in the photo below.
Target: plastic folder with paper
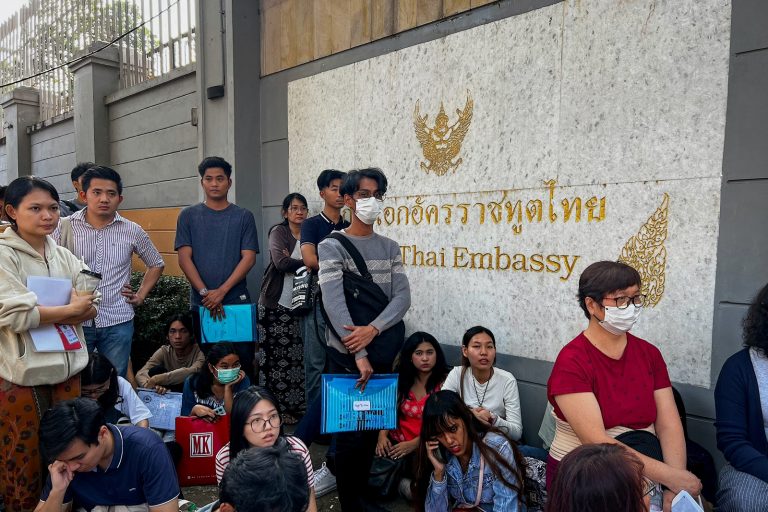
{"x": 238, "y": 324}
{"x": 347, "y": 409}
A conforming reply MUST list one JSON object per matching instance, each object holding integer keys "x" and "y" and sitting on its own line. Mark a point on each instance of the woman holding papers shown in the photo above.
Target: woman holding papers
{"x": 32, "y": 380}
{"x": 464, "y": 462}
{"x": 283, "y": 363}
{"x": 256, "y": 423}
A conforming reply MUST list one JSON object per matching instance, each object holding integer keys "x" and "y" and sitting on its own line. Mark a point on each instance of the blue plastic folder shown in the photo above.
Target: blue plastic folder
{"x": 238, "y": 324}
{"x": 346, "y": 409}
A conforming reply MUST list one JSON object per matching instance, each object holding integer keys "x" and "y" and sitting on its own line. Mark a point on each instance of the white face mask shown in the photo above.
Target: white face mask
{"x": 369, "y": 209}
{"x": 618, "y": 321}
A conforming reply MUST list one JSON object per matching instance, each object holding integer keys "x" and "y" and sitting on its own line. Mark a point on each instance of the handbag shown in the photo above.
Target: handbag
{"x": 200, "y": 441}
{"x": 384, "y": 476}
{"x": 365, "y": 301}
{"x": 301, "y": 295}
{"x": 21, "y": 365}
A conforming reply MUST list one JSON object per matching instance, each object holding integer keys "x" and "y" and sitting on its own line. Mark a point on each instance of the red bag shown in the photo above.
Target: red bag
{"x": 200, "y": 442}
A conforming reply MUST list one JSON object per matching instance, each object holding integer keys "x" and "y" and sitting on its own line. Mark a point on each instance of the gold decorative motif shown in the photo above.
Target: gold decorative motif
{"x": 441, "y": 144}
{"x": 645, "y": 252}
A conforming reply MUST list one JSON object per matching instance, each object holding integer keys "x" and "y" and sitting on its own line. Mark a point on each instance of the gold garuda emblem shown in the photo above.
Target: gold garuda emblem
{"x": 645, "y": 252}
{"x": 441, "y": 144}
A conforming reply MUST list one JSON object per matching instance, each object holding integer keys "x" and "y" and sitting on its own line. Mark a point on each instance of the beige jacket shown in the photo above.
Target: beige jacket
{"x": 19, "y": 363}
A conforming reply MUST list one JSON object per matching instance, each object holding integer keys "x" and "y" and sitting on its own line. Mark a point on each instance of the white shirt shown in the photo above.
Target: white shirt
{"x": 130, "y": 404}
{"x": 499, "y": 395}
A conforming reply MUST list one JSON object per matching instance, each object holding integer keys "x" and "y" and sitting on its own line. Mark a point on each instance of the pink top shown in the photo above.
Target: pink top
{"x": 409, "y": 420}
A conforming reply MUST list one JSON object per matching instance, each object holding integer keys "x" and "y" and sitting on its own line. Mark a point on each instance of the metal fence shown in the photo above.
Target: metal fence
{"x": 36, "y": 43}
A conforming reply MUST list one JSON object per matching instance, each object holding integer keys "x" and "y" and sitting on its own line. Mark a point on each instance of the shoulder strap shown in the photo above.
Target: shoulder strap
{"x": 353, "y": 252}
{"x": 66, "y": 237}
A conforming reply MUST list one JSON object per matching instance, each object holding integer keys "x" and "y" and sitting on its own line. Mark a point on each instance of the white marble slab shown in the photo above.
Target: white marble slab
{"x": 617, "y": 100}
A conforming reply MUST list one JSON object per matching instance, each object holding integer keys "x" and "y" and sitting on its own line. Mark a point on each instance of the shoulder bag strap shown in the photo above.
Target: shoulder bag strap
{"x": 354, "y": 253}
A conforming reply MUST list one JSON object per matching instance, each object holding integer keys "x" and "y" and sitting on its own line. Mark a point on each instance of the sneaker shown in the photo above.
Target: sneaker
{"x": 325, "y": 482}
{"x": 404, "y": 488}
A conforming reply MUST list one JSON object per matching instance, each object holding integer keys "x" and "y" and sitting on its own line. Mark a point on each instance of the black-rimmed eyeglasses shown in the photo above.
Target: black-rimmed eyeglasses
{"x": 624, "y": 302}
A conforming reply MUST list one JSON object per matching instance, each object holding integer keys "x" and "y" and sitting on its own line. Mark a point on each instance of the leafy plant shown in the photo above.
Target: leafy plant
{"x": 170, "y": 295}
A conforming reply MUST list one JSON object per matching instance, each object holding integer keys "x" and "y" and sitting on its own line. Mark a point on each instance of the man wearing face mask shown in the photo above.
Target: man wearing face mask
{"x": 606, "y": 383}
{"x": 363, "y": 191}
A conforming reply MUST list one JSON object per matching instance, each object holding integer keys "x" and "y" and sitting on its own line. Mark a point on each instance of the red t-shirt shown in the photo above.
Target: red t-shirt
{"x": 409, "y": 419}
{"x": 623, "y": 388}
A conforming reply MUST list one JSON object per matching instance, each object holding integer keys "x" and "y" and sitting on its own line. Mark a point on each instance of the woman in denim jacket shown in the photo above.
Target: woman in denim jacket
{"x": 465, "y": 463}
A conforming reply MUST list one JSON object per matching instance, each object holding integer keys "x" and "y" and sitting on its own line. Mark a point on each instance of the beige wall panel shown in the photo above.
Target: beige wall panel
{"x": 304, "y": 32}
{"x": 270, "y": 44}
{"x": 451, "y": 7}
{"x": 288, "y": 36}
{"x": 428, "y": 11}
{"x": 341, "y": 25}
{"x": 322, "y": 15}
{"x": 405, "y": 14}
{"x": 360, "y": 19}
{"x": 382, "y": 18}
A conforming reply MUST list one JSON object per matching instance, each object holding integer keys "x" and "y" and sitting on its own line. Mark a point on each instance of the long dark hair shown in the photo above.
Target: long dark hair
{"x": 756, "y": 322}
{"x": 598, "y": 478}
{"x": 445, "y": 405}
{"x": 407, "y": 372}
{"x": 98, "y": 371}
{"x": 202, "y": 381}
{"x": 468, "y": 335}
{"x": 242, "y": 405}
{"x": 19, "y": 188}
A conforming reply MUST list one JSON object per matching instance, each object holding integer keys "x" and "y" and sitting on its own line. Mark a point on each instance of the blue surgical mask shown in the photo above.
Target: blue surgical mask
{"x": 227, "y": 375}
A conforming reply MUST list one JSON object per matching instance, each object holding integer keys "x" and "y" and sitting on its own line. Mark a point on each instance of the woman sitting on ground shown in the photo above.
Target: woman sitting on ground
{"x": 171, "y": 364}
{"x": 607, "y": 382}
{"x": 600, "y": 478}
{"x": 99, "y": 381}
{"x": 490, "y": 392}
{"x": 741, "y": 405}
{"x": 256, "y": 422}
{"x": 466, "y": 462}
{"x": 421, "y": 369}
{"x": 209, "y": 393}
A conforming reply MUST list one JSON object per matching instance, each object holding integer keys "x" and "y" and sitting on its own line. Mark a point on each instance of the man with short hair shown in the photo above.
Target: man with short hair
{"x": 313, "y": 231}
{"x": 98, "y": 465}
{"x": 67, "y": 208}
{"x": 363, "y": 191}
{"x": 107, "y": 241}
{"x": 217, "y": 245}
{"x": 264, "y": 480}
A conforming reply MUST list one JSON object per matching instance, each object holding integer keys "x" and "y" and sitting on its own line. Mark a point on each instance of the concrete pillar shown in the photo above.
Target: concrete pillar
{"x": 228, "y": 84}
{"x": 96, "y": 76}
{"x": 22, "y": 108}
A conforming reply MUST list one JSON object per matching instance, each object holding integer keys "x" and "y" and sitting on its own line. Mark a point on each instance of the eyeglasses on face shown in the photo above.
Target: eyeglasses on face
{"x": 624, "y": 302}
{"x": 297, "y": 209}
{"x": 366, "y": 194}
{"x": 94, "y": 392}
{"x": 259, "y": 425}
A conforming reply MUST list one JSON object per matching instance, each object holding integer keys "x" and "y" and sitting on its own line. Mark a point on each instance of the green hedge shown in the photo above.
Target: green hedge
{"x": 170, "y": 295}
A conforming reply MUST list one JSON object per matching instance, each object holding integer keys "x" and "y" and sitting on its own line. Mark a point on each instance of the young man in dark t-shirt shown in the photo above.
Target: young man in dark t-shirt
{"x": 313, "y": 230}
{"x": 217, "y": 244}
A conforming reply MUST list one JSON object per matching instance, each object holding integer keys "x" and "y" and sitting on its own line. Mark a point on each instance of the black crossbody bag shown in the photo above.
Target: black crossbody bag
{"x": 365, "y": 301}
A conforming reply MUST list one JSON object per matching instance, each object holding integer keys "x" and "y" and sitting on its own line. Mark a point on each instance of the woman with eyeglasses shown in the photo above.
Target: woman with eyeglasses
{"x": 600, "y": 478}
{"x": 607, "y": 382}
{"x": 257, "y": 423}
{"x": 283, "y": 362}
{"x": 99, "y": 381}
{"x": 209, "y": 393}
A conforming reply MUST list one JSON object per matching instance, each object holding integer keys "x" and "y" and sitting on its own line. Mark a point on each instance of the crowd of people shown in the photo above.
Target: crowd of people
{"x": 73, "y": 432}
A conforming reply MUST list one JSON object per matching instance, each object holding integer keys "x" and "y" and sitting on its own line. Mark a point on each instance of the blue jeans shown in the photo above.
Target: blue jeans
{"x": 314, "y": 352}
{"x": 114, "y": 342}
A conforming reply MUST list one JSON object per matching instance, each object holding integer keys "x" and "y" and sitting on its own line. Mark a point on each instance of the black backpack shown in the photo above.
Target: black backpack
{"x": 365, "y": 301}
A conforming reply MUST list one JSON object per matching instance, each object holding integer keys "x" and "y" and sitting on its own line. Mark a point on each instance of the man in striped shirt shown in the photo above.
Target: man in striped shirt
{"x": 106, "y": 241}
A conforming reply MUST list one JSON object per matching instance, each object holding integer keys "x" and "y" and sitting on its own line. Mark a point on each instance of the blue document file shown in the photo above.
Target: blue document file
{"x": 346, "y": 409}
{"x": 238, "y": 324}
{"x": 164, "y": 408}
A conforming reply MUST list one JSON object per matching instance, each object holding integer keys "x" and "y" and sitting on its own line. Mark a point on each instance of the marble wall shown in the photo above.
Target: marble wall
{"x": 612, "y": 110}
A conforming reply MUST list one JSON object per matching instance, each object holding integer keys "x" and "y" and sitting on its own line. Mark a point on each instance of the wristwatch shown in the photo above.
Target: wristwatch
{"x": 203, "y": 291}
